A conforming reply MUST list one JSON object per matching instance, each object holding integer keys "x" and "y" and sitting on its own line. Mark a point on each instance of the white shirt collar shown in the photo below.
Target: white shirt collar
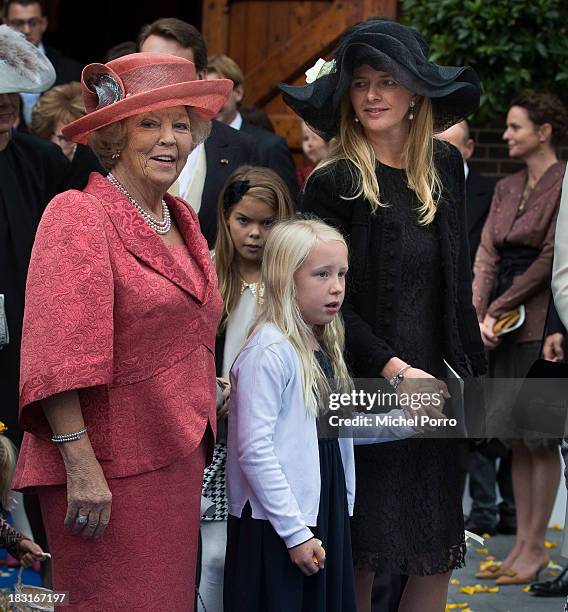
{"x": 465, "y": 169}
{"x": 186, "y": 175}
{"x": 237, "y": 122}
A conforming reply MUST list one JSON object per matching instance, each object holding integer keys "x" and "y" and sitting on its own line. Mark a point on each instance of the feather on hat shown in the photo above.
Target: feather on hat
{"x": 23, "y": 67}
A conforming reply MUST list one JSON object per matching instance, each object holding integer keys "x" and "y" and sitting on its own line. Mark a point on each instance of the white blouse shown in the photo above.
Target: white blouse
{"x": 238, "y": 326}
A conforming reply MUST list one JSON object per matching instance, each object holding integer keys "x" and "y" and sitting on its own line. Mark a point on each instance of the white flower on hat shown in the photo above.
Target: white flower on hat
{"x": 320, "y": 68}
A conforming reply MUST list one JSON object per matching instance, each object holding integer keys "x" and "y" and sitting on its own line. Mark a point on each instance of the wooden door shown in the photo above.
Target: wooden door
{"x": 277, "y": 41}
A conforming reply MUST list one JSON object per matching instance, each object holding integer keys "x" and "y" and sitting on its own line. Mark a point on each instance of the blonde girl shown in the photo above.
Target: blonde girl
{"x": 18, "y": 545}
{"x": 290, "y": 496}
{"x": 252, "y": 200}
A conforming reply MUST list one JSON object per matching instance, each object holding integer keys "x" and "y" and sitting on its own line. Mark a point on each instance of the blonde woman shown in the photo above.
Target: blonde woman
{"x": 397, "y": 196}
{"x": 55, "y": 109}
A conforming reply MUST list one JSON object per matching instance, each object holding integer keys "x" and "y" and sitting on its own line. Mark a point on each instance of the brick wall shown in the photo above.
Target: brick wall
{"x": 491, "y": 154}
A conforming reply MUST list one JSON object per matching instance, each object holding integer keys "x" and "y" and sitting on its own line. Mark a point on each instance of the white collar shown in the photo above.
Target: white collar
{"x": 237, "y": 122}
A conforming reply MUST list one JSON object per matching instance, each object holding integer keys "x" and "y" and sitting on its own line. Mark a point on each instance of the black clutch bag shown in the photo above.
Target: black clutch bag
{"x": 542, "y": 402}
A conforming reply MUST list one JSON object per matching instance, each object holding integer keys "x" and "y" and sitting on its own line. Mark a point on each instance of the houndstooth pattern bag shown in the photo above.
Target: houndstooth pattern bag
{"x": 214, "y": 487}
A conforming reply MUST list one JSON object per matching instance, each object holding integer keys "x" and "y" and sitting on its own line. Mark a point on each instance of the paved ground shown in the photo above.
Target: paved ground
{"x": 509, "y": 598}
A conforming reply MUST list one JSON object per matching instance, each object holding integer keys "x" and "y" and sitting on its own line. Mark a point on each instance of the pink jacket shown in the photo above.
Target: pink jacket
{"x": 113, "y": 313}
{"x": 535, "y": 227}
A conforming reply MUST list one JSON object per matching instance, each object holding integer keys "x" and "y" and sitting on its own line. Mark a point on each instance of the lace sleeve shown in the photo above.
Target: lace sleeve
{"x": 9, "y": 537}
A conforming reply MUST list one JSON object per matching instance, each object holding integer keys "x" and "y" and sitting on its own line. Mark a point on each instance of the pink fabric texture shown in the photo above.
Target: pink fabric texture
{"x": 535, "y": 227}
{"x": 130, "y": 324}
{"x": 146, "y": 557}
{"x": 147, "y": 81}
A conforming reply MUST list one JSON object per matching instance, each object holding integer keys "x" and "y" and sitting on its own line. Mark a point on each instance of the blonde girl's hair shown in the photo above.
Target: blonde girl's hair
{"x": 8, "y": 456}
{"x": 264, "y": 185}
{"x": 287, "y": 247}
{"x": 421, "y": 173}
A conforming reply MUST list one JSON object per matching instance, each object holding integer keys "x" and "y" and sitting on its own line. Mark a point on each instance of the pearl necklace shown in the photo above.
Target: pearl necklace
{"x": 161, "y": 227}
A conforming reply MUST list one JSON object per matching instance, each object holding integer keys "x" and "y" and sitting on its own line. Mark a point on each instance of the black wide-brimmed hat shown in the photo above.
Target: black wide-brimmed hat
{"x": 403, "y": 53}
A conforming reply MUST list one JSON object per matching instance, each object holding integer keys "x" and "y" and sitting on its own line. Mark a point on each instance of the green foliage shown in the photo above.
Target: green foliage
{"x": 511, "y": 44}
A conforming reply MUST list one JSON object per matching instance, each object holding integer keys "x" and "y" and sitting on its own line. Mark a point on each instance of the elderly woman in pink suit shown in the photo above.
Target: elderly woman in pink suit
{"x": 117, "y": 389}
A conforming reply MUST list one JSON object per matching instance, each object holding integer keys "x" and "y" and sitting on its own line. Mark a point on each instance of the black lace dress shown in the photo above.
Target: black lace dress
{"x": 408, "y": 514}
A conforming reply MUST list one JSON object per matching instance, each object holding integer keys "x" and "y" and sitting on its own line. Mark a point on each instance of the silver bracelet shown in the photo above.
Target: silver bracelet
{"x": 398, "y": 377}
{"x": 70, "y": 437}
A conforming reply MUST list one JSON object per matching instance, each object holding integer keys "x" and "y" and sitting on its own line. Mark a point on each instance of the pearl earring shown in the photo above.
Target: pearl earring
{"x": 411, "y": 113}
{"x": 356, "y": 119}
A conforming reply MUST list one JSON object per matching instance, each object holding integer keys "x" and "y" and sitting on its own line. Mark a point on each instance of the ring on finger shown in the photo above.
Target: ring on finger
{"x": 82, "y": 520}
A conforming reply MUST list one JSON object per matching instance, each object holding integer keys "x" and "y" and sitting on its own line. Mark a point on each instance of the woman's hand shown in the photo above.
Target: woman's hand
{"x": 28, "y": 552}
{"x": 490, "y": 340}
{"x": 223, "y": 407}
{"x": 428, "y": 395}
{"x": 88, "y": 497}
{"x": 309, "y": 557}
{"x": 553, "y": 349}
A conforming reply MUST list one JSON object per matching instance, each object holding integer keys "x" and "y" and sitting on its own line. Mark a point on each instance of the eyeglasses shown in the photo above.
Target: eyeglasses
{"x": 19, "y": 24}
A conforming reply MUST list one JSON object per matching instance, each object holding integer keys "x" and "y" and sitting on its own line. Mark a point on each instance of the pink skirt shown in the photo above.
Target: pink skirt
{"x": 146, "y": 559}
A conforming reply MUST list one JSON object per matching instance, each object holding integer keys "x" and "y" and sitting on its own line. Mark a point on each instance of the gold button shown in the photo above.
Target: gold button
{"x": 224, "y": 161}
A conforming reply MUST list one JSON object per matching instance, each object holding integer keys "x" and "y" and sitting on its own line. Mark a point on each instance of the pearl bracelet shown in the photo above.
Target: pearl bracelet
{"x": 70, "y": 437}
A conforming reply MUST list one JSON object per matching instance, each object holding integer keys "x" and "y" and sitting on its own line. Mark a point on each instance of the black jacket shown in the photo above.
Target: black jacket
{"x": 84, "y": 162}
{"x": 66, "y": 68}
{"x": 32, "y": 172}
{"x": 371, "y": 304}
{"x": 225, "y": 149}
{"x": 478, "y": 194}
{"x": 273, "y": 152}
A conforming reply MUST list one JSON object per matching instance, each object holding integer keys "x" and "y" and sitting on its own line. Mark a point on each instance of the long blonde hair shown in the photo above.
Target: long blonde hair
{"x": 287, "y": 247}
{"x": 264, "y": 185}
{"x": 8, "y": 456}
{"x": 421, "y": 172}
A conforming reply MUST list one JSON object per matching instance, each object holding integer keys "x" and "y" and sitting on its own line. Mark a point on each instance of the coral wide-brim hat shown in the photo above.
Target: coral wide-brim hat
{"x": 139, "y": 83}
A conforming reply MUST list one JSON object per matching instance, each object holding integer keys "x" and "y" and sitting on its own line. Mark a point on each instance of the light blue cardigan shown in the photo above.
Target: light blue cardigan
{"x": 272, "y": 445}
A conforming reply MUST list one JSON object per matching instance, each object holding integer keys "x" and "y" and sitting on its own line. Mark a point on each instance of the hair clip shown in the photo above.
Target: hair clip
{"x": 234, "y": 192}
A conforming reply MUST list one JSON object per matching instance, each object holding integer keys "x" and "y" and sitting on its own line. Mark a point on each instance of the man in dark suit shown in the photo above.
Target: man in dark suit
{"x": 478, "y": 188}
{"x": 28, "y": 17}
{"x": 209, "y": 164}
{"x": 225, "y": 151}
{"x": 272, "y": 150}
